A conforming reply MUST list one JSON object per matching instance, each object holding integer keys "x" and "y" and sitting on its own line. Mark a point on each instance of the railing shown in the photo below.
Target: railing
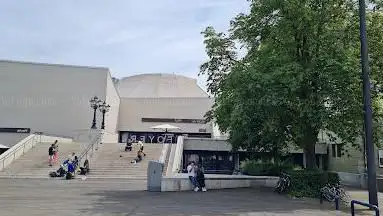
{"x": 90, "y": 148}
{"x": 178, "y": 155}
{"x": 372, "y": 207}
{"x": 15, "y": 152}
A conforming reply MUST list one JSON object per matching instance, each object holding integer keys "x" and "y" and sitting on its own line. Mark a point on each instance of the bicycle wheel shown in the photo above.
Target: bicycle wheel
{"x": 328, "y": 194}
{"x": 278, "y": 186}
{"x": 344, "y": 196}
{"x": 283, "y": 187}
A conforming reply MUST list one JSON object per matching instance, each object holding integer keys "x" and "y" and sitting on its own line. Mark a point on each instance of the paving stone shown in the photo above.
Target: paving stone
{"x": 103, "y": 197}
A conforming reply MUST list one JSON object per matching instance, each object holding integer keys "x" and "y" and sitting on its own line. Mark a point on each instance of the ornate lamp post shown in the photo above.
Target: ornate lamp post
{"x": 94, "y": 104}
{"x": 104, "y": 108}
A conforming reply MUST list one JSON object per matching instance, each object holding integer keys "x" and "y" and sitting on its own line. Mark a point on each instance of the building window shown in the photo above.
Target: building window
{"x": 336, "y": 150}
{"x": 381, "y": 158}
{"x": 333, "y": 150}
{"x": 339, "y": 150}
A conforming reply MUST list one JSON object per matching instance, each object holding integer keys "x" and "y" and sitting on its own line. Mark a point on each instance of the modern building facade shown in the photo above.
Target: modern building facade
{"x": 54, "y": 99}
{"x": 148, "y": 100}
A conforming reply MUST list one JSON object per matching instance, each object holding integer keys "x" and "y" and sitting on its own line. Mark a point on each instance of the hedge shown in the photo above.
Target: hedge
{"x": 256, "y": 168}
{"x": 308, "y": 183}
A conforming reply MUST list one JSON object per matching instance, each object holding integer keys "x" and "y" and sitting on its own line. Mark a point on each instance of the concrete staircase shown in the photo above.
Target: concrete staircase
{"x": 113, "y": 163}
{"x": 34, "y": 163}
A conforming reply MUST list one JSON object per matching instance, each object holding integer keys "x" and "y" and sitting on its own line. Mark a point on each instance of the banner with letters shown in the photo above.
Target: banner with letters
{"x": 156, "y": 137}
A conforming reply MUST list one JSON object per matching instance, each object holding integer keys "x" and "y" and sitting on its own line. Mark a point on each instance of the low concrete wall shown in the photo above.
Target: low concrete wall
{"x": 109, "y": 137}
{"x": 181, "y": 182}
{"x": 51, "y": 139}
{"x": 353, "y": 179}
{"x": 86, "y": 135}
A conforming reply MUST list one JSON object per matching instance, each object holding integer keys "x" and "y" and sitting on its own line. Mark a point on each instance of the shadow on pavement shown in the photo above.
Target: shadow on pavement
{"x": 246, "y": 201}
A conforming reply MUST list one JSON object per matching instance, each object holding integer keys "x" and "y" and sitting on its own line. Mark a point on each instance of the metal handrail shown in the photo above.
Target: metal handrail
{"x": 13, "y": 152}
{"x": 372, "y": 207}
{"x": 90, "y": 146}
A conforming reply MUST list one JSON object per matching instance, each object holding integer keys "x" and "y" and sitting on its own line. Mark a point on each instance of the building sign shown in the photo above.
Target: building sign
{"x": 15, "y": 130}
{"x": 156, "y": 137}
{"x": 171, "y": 120}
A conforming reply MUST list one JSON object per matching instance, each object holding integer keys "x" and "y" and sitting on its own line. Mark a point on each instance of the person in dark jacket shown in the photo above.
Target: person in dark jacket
{"x": 85, "y": 169}
{"x": 51, "y": 154}
{"x": 200, "y": 178}
{"x": 128, "y": 146}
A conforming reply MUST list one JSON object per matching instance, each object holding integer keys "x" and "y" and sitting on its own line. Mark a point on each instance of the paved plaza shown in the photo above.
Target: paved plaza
{"x": 96, "y": 197}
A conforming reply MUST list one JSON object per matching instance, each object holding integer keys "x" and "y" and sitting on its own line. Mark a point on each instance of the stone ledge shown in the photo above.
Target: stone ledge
{"x": 180, "y": 182}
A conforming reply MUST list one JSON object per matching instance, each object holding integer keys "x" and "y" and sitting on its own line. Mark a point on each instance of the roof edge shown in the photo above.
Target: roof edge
{"x": 52, "y": 64}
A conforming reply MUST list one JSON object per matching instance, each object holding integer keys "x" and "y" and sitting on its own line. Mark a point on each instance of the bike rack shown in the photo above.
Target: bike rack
{"x": 373, "y": 207}
{"x": 336, "y": 200}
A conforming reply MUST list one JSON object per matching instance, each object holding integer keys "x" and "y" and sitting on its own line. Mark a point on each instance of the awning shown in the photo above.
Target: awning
{"x": 166, "y": 127}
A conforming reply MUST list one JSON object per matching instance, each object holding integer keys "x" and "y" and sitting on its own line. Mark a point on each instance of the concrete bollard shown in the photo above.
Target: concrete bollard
{"x": 154, "y": 176}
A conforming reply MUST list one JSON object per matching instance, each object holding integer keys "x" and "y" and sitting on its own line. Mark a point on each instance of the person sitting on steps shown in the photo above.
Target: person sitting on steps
{"x": 140, "y": 156}
{"x": 128, "y": 146}
{"x": 141, "y": 146}
{"x": 59, "y": 173}
{"x": 85, "y": 169}
{"x": 71, "y": 170}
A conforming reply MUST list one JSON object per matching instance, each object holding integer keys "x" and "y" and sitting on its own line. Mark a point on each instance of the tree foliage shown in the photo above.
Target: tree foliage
{"x": 300, "y": 75}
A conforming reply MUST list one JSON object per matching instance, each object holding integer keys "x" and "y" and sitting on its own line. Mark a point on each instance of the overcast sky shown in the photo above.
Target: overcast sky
{"x": 129, "y": 37}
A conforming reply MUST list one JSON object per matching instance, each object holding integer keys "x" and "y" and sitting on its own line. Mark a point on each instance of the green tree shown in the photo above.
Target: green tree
{"x": 300, "y": 74}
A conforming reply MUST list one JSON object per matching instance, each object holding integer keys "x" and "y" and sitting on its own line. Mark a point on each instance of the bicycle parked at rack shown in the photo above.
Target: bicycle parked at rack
{"x": 331, "y": 192}
{"x": 283, "y": 183}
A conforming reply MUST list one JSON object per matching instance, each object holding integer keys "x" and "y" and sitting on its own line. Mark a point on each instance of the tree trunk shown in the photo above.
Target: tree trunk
{"x": 310, "y": 140}
{"x": 310, "y": 157}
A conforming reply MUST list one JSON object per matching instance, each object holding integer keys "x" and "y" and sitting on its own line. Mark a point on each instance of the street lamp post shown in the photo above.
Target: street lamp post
{"x": 371, "y": 166}
{"x": 94, "y": 104}
{"x": 104, "y": 108}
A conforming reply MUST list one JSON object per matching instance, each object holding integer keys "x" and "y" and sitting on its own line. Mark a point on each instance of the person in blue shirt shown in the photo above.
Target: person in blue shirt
{"x": 71, "y": 171}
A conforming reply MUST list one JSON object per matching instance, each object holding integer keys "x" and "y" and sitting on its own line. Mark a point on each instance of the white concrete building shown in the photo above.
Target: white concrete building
{"x": 152, "y": 99}
{"x": 54, "y": 99}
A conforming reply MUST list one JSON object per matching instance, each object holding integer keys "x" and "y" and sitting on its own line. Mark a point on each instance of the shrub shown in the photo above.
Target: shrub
{"x": 259, "y": 168}
{"x": 308, "y": 183}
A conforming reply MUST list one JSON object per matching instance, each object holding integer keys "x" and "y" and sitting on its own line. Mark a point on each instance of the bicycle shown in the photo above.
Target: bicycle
{"x": 332, "y": 192}
{"x": 283, "y": 183}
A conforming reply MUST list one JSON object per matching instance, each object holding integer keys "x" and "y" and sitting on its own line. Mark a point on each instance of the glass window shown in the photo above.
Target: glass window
{"x": 339, "y": 150}
{"x": 333, "y": 150}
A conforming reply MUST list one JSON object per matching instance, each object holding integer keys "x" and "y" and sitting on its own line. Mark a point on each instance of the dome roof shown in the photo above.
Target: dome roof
{"x": 159, "y": 85}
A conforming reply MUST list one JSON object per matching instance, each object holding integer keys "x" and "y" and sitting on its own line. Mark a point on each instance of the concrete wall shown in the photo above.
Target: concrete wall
{"x": 351, "y": 162}
{"x": 111, "y": 118}
{"x": 181, "y": 182}
{"x": 191, "y": 143}
{"x": 133, "y": 109}
{"x": 49, "y": 98}
{"x": 10, "y": 139}
{"x": 208, "y": 144}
